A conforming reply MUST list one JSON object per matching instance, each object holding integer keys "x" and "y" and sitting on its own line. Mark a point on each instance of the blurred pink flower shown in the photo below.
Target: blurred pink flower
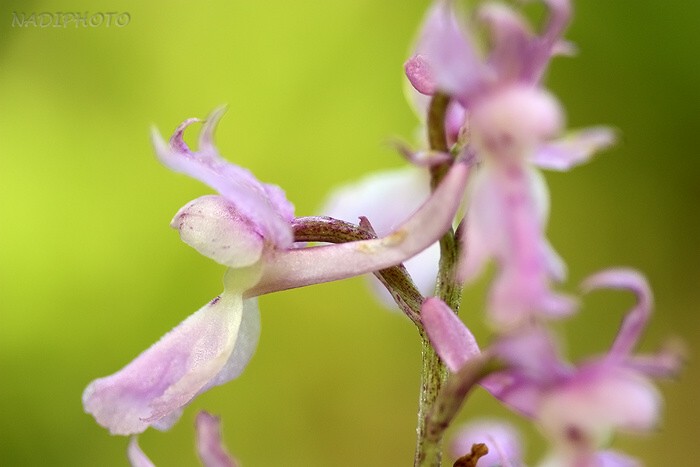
{"x": 510, "y": 125}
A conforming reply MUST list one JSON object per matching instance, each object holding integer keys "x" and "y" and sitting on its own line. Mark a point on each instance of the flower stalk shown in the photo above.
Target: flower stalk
{"x": 433, "y": 372}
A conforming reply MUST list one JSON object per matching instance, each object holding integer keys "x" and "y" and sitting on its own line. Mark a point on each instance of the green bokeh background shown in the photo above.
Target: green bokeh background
{"x": 90, "y": 273}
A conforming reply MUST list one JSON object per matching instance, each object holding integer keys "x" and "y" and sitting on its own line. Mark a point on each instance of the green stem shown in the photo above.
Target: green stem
{"x": 433, "y": 373}
{"x": 428, "y": 450}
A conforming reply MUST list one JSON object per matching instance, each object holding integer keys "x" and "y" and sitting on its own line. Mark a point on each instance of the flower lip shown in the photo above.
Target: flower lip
{"x": 154, "y": 387}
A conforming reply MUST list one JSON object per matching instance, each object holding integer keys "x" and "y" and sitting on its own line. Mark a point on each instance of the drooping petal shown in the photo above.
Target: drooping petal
{"x": 505, "y": 219}
{"x": 304, "y": 266}
{"x": 573, "y": 149}
{"x": 210, "y": 447}
{"x": 517, "y": 296}
{"x": 214, "y": 226}
{"x": 501, "y": 439}
{"x": 387, "y": 198}
{"x": 636, "y": 319}
{"x": 450, "y": 338}
{"x": 164, "y": 378}
{"x": 136, "y": 456}
{"x": 265, "y": 205}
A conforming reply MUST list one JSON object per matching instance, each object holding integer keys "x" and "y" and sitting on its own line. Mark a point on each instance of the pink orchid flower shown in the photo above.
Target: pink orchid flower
{"x": 511, "y": 125}
{"x": 247, "y": 227}
{"x": 577, "y": 407}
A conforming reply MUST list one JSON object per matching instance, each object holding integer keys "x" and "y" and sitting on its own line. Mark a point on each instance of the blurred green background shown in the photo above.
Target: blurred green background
{"x": 91, "y": 274}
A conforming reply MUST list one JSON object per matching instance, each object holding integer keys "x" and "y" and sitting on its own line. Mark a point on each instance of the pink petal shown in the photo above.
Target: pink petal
{"x": 214, "y": 226}
{"x": 210, "y": 448}
{"x": 511, "y": 40}
{"x": 615, "y": 459}
{"x": 244, "y": 348}
{"x": 165, "y": 378}
{"x": 534, "y": 353}
{"x": 664, "y": 363}
{"x": 505, "y": 219}
{"x": 517, "y": 296}
{"x": 574, "y": 149}
{"x": 549, "y": 43}
{"x": 533, "y": 365}
{"x": 501, "y": 439}
{"x": 265, "y": 205}
{"x": 511, "y": 122}
{"x": 599, "y": 399}
{"x": 446, "y": 48}
{"x": 589, "y": 459}
{"x": 296, "y": 268}
{"x": 636, "y": 319}
{"x": 420, "y": 75}
{"x": 136, "y": 456}
{"x": 517, "y": 392}
{"x": 450, "y": 338}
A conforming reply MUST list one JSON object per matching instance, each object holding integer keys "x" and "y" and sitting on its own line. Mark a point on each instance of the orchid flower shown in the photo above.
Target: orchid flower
{"x": 577, "y": 407}
{"x": 210, "y": 448}
{"x": 247, "y": 227}
{"x": 511, "y": 123}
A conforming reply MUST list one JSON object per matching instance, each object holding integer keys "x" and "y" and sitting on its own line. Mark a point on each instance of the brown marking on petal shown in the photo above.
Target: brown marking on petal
{"x": 479, "y": 450}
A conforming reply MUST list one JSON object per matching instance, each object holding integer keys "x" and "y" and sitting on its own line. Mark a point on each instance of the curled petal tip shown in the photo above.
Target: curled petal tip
{"x": 177, "y": 143}
{"x": 620, "y": 278}
{"x": 636, "y": 319}
{"x": 206, "y": 137}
